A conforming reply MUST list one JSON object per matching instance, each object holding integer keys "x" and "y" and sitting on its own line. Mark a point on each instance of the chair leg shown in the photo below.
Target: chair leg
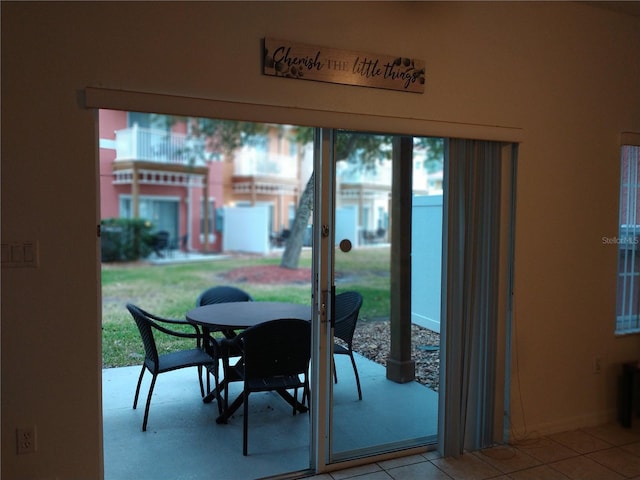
{"x": 216, "y": 385}
{"x": 226, "y": 394}
{"x": 212, "y": 370}
{"x": 146, "y": 410}
{"x": 355, "y": 371}
{"x": 245, "y": 424}
{"x": 335, "y": 372}
{"x": 295, "y": 399}
{"x": 225, "y": 371}
{"x": 200, "y": 380}
{"x": 306, "y": 395}
{"x": 135, "y": 398}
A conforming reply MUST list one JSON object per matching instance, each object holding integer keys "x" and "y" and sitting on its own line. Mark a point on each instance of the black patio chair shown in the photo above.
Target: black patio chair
{"x": 221, "y": 294}
{"x": 276, "y": 357}
{"x": 161, "y": 244}
{"x": 156, "y": 364}
{"x": 179, "y": 244}
{"x": 347, "y": 309}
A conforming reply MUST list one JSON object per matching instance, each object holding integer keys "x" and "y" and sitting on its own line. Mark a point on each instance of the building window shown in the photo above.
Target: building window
{"x": 162, "y": 212}
{"x": 628, "y": 242}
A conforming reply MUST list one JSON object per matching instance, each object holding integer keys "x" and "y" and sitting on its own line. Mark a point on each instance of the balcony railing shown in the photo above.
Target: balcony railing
{"x": 250, "y": 161}
{"x": 379, "y": 174}
{"x": 159, "y": 146}
{"x": 145, "y": 144}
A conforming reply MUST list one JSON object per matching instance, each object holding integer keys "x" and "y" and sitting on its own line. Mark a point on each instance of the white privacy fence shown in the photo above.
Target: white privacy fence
{"x": 426, "y": 261}
{"x": 246, "y": 230}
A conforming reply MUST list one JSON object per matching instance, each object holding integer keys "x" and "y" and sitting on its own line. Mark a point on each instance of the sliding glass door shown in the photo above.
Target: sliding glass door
{"x": 382, "y": 369}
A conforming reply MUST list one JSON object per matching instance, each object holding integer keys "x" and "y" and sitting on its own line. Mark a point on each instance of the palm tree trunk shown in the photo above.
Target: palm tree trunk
{"x": 291, "y": 255}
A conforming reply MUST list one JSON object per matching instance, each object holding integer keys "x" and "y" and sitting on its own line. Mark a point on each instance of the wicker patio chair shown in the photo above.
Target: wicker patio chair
{"x": 148, "y": 324}
{"x": 276, "y": 357}
{"x": 161, "y": 244}
{"x": 221, "y": 294}
{"x": 347, "y": 309}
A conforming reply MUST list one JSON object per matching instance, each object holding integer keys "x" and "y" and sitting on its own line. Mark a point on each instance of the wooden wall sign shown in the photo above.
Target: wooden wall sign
{"x": 282, "y": 58}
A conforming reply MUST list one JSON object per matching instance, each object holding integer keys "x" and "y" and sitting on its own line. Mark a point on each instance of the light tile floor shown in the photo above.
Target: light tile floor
{"x": 608, "y": 452}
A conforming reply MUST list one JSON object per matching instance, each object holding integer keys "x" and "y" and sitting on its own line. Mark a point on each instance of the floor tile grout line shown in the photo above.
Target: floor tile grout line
{"x": 606, "y": 466}
{"x": 426, "y": 460}
{"x": 500, "y": 473}
{"x": 610, "y": 446}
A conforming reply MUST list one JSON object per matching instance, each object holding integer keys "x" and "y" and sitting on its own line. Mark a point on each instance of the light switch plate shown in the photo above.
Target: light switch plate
{"x": 20, "y": 254}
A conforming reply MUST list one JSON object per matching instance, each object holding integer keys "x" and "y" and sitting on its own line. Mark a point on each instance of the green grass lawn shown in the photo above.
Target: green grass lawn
{"x": 171, "y": 290}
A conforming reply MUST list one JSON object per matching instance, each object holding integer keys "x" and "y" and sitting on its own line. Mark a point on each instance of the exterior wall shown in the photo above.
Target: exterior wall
{"x": 563, "y": 76}
{"x": 189, "y": 200}
{"x": 110, "y": 121}
{"x": 216, "y": 192}
{"x": 110, "y": 194}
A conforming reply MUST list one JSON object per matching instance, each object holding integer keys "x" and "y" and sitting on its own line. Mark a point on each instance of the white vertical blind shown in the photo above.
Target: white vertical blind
{"x": 472, "y": 251}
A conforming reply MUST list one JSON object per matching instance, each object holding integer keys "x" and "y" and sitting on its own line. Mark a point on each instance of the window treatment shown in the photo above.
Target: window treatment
{"x": 628, "y": 287}
{"x": 473, "y": 244}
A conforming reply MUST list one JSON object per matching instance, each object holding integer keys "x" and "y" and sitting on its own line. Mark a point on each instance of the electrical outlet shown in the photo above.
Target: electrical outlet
{"x": 26, "y": 440}
{"x": 597, "y": 364}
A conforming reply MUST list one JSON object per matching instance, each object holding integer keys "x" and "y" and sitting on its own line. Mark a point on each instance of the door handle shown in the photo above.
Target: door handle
{"x": 345, "y": 245}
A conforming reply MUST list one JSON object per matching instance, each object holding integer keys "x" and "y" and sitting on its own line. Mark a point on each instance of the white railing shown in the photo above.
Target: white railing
{"x": 380, "y": 174}
{"x": 250, "y": 161}
{"x": 158, "y": 146}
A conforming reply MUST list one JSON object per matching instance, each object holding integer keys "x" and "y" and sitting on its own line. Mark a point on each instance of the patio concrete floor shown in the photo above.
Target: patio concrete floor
{"x": 183, "y": 441}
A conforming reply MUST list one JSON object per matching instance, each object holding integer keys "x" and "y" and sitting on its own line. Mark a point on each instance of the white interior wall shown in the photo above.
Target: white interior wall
{"x": 560, "y": 76}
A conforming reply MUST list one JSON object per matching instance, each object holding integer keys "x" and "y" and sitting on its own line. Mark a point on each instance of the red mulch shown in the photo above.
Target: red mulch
{"x": 269, "y": 274}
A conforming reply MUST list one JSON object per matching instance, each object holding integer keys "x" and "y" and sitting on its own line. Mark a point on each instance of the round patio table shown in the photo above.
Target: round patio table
{"x": 239, "y": 315}
{"x": 227, "y": 317}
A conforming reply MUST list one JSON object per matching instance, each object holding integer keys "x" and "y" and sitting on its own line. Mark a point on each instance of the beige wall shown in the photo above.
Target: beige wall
{"x": 564, "y": 76}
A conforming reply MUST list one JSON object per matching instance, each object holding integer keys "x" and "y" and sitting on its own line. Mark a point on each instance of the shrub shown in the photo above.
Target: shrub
{"x": 125, "y": 239}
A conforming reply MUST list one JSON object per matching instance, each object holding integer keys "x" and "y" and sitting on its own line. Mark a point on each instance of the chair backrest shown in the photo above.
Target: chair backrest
{"x": 276, "y": 348}
{"x": 222, "y": 294}
{"x": 145, "y": 327}
{"x": 162, "y": 239}
{"x": 347, "y": 310}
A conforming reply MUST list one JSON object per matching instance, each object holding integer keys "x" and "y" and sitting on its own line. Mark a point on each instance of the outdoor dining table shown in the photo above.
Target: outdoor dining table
{"x": 231, "y": 316}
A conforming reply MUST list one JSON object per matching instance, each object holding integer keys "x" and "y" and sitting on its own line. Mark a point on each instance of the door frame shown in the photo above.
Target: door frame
{"x": 105, "y": 98}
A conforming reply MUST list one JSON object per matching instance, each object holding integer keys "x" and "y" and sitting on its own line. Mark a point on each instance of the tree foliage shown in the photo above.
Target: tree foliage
{"x": 363, "y": 149}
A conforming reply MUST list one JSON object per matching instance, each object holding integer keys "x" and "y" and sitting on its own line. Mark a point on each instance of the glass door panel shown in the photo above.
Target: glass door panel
{"x": 380, "y": 399}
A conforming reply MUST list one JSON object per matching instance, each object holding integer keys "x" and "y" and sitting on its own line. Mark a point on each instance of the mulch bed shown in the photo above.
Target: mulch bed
{"x": 372, "y": 337}
{"x": 269, "y": 274}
